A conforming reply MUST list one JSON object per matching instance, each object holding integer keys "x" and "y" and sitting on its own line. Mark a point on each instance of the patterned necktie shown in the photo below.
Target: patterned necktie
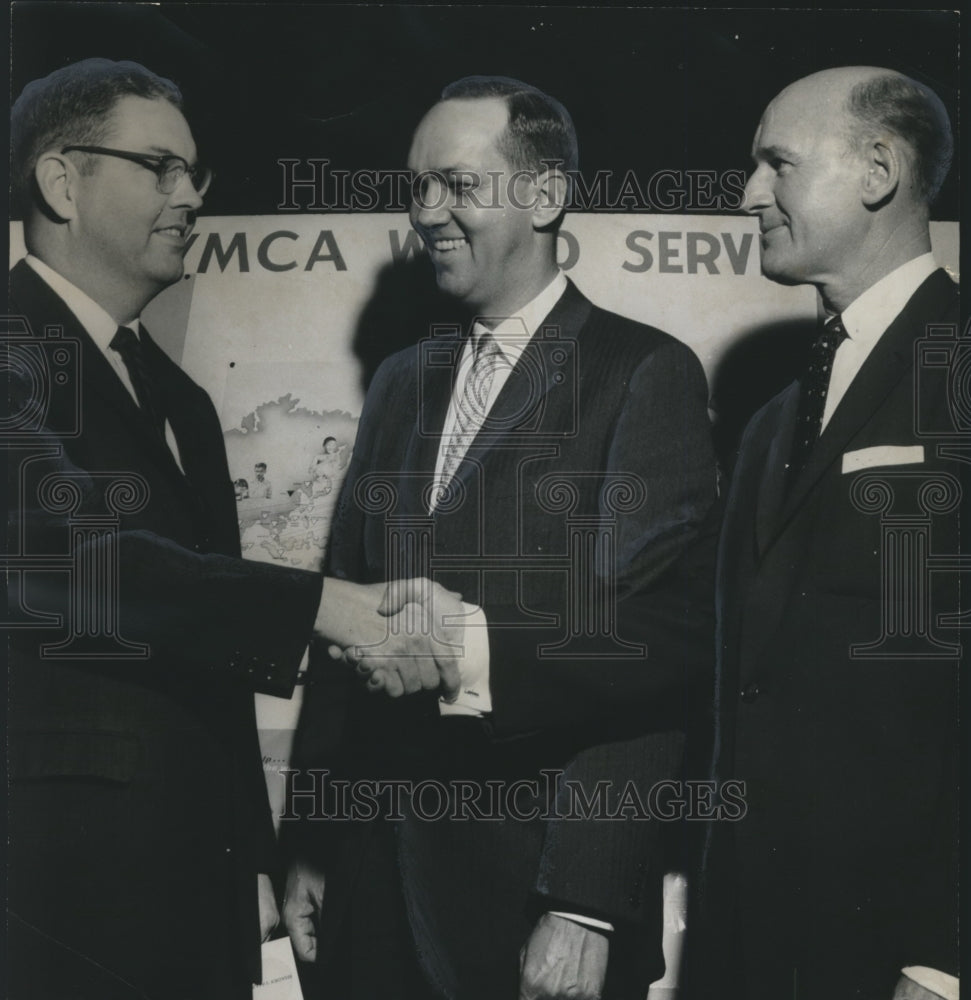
{"x": 470, "y": 413}
{"x": 127, "y": 344}
{"x": 812, "y": 396}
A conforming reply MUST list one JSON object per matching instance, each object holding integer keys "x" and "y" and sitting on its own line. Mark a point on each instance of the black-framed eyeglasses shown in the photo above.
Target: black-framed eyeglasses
{"x": 169, "y": 169}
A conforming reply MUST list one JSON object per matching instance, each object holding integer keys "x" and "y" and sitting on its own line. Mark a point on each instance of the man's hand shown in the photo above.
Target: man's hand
{"x": 348, "y": 613}
{"x": 302, "y": 901}
{"x": 563, "y": 959}
{"x": 269, "y": 914}
{"x": 907, "y": 989}
{"x": 420, "y": 641}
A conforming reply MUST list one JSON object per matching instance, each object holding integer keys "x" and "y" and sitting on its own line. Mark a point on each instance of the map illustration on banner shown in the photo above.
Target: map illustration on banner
{"x": 288, "y": 465}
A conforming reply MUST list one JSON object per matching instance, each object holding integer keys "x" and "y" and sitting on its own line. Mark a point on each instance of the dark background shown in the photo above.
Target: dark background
{"x": 648, "y": 89}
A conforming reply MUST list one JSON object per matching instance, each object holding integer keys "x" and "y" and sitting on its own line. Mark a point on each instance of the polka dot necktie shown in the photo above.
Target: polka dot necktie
{"x": 812, "y": 397}
{"x": 127, "y": 344}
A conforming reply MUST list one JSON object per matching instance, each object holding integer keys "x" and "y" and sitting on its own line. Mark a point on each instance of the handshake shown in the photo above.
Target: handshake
{"x": 400, "y": 638}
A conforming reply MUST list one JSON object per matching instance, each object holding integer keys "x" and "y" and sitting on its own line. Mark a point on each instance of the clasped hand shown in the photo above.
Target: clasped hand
{"x": 400, "y": 638}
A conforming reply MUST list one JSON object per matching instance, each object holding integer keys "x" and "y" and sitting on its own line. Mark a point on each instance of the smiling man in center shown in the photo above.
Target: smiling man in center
{"x": 479, "y": 439}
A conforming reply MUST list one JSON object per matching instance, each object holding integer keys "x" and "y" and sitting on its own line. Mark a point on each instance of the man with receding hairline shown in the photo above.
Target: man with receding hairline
{"x": 547, "y": 410}
{"x": 837, "y": 683}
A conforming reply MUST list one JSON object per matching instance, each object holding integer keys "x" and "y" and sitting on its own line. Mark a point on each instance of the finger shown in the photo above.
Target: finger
{"x": 304, "y": 942}
{"x": 428, "y": 672}
{"x": 366, "y": 666}
{"x": 450, "y": 679}
{"x": 335, "y": 652}
{"x": 377, "y": 682}
{"x": 401, "y": 592}
{"x": 438, "y": 589}
{"x": 392, "y": 684}
{"x": 410, "y": 676}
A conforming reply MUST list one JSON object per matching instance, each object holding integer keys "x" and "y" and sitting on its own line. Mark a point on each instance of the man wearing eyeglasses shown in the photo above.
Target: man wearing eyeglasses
{"x": 140, "y": 839}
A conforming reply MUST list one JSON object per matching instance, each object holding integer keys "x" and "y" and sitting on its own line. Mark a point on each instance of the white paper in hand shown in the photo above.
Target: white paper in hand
{"x": 280, "y": 980}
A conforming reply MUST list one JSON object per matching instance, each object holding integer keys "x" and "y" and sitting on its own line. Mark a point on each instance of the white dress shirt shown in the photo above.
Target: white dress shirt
{"x": 101, "y": 328}
{"x": 866, "y": 320}
{"x": 512, "y": 334}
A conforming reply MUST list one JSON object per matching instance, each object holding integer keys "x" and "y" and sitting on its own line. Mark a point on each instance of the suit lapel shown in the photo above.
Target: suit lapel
{"x": 521, "y": 406}
{"x": 33, "y": 296}
{"x": 890, "y": 360}
{"x": 438, "y": 362}
{"x": 771, "y": 494}
{"x": 178, "y": 405}
{"x": 542, "y": 365}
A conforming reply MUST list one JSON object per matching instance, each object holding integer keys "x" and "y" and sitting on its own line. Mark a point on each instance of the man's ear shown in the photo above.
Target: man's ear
{"x": 552, "y": 190}
{"x": 885, "y": 167}
{"x": 56, "y": 179}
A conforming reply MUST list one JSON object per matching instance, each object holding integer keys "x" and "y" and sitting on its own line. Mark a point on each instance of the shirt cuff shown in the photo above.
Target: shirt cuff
{"x": 475, "y": 698}
{"x": 600, "y": 925}
{"x": 944, "y": 985}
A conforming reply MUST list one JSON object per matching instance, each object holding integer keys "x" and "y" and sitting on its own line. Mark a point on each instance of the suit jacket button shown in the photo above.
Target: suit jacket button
{"x": 750, "y": 692}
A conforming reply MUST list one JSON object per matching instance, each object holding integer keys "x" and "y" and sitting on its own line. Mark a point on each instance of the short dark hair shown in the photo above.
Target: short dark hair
{"x": 72, "y": 106}
{"x": 540, "y": 131}
{"x": 260, "y": 465}
{"x": 913, "y": 112}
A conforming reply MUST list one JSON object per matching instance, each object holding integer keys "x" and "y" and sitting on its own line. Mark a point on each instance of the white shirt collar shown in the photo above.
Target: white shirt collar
{"x": 102, "y": 329}
{"x": 99, "y": 325}
{"x": 868, "y": 316}
{"x": 514, "y": 332}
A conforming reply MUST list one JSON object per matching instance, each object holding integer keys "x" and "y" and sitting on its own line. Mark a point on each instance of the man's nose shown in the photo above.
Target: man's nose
{"x": 429, "y": 202}
{"x": 185, "y": 194}
{"x": 758, "y": 190}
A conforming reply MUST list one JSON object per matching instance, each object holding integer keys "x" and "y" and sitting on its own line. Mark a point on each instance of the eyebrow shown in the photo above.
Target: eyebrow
{"x": 774, "y": 152}
{"x": 448, "y": 171}
{"x": 155, "y": 150}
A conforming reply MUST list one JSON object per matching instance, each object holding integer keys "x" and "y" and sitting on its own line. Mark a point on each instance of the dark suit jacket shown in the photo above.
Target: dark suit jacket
{"x": 597, "y": 405}
{"x": 138, "y": 811}
{"x": 837, "y": 702}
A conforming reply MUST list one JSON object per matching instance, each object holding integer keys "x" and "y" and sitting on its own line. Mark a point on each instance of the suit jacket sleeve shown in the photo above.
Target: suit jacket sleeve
{"x": 196, "y": 610}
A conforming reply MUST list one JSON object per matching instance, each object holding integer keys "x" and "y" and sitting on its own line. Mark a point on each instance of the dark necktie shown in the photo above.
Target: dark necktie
{"x": 127, "y": 344}
{"x": 812, "y": 396}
